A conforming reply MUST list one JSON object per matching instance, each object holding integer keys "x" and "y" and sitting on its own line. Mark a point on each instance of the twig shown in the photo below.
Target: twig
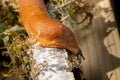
{"x": 64, "y": 18}
{"x": 67, "y": 3}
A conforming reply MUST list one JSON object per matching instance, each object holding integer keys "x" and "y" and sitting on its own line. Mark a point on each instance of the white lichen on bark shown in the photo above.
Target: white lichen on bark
{"x": 49, "y": 63}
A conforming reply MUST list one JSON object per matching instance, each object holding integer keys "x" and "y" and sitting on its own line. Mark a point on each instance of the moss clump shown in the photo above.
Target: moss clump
{"x": 16, "y": 45}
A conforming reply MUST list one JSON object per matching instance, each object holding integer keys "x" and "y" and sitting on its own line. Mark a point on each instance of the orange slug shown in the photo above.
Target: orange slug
{"x": 37, "y": 20}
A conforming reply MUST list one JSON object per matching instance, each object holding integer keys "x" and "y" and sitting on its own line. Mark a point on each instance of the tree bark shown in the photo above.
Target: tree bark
{"x": 49, "y": 63}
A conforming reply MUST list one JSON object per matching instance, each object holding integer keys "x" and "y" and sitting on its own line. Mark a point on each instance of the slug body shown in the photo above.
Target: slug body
{"x": 51, "y": 33}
